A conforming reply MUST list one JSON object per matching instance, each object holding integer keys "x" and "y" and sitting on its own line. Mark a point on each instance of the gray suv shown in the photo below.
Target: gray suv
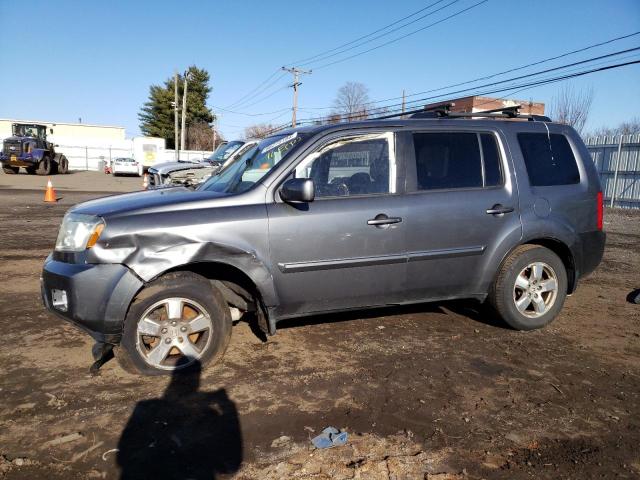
{"x": 507, "y": 211}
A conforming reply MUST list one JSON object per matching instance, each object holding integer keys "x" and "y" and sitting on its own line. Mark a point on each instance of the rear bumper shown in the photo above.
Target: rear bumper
{"x": 98, "y": 296}
{"x": 593, "y": 244}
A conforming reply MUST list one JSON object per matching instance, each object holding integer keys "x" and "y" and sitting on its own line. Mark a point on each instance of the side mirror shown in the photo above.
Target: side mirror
{"x": 298, "y": 190}
{"x": 51, "y": 131}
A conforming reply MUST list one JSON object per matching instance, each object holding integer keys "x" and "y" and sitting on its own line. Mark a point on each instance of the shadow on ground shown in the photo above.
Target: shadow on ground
{"x": 184, "y": 434}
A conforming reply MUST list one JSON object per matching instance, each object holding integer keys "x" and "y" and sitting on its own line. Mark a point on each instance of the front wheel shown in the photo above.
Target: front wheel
{"x": 174, "y": 323}
{"x": 530, "y": 288}
{"x": 44, "y": 166}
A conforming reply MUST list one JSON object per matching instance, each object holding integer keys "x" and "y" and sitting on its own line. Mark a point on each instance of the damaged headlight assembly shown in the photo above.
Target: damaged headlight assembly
{"x": 79, "y": 232}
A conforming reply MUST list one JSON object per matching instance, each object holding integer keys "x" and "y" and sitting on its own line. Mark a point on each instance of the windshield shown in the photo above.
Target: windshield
{"x": 224, "y": 151}
{"x": 35, "y": 131}
{"x": 252, "y": 165}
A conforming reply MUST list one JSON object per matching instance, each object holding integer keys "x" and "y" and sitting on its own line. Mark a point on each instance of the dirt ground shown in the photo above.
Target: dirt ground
{"x": 436, "y": 391}
{"x": 74, "y": 181}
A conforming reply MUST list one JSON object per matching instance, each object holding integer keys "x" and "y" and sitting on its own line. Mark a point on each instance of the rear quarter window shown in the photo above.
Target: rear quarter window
{"x": 549, "y": 159}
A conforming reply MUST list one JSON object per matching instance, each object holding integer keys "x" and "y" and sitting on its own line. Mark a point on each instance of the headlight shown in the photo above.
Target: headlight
{"x": 79, "y": 232}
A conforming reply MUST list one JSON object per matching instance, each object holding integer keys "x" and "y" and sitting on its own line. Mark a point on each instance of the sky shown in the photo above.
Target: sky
{"x": 95, "y": 60}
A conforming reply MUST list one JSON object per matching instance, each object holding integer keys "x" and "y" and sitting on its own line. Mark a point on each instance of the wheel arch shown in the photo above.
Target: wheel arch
{"x": 215, "y": 270}
{"x": 558, "y": 247}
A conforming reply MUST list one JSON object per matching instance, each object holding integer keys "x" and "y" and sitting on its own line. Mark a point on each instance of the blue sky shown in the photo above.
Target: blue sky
{"x": 96, "y": 60}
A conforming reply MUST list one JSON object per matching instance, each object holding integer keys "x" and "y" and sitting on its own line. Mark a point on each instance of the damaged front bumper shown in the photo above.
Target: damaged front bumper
{"x": 94, "y": 297}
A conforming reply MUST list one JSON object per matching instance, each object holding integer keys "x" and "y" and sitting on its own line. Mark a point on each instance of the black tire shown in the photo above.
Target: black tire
{"x": 31, "y": 170}
{"x": 504, "y": 292}
{"x": 44, "y": 166}
{"x": 10, "y": 170}
{"x": 193, "y": 288}
{"x": 63, "y": 165}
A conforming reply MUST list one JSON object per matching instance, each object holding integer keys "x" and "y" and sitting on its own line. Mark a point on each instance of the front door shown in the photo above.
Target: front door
{"x": 346, "y": 248}
{"x": 464, "y": 209}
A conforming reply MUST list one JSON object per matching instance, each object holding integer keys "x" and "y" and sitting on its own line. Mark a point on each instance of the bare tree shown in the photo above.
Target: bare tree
{"x": 572, "y": 107}
{"x": 260, "y": 130}
{"x": 351, "y": 101}
{"x": 629, "y": 127}
{"x": 200, "y": 137}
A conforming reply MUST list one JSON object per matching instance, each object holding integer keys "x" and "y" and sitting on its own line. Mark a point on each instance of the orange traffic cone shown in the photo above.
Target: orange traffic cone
{"x": 50, "y": 193}
{"x": 145, "y": 181}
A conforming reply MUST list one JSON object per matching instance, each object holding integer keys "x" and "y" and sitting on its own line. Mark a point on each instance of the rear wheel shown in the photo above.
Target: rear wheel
{"x": 63, "y": 165}
{"x": 531, "y": 288}
{"x": 174, "y": 323}
{"x": 44, "y": 166}
{"x": 10, "y": 170}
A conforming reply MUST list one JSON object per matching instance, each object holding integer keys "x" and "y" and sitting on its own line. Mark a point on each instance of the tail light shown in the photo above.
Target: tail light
{"x": 600, "y": 208}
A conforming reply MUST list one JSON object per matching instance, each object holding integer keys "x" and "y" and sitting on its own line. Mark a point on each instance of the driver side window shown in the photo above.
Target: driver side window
{"x": 363, "y": 165}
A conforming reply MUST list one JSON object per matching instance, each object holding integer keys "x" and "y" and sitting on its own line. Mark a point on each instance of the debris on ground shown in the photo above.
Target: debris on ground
{"x": 330, "y": 437}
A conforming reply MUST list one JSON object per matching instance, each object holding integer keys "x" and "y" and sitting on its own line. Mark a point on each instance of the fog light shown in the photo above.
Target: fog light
{"x": 59, "y": 300}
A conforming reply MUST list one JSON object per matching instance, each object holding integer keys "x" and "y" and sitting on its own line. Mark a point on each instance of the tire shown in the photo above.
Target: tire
{"x": 168, "y": 337}
{"x": 523, "y": 293}
{"x": 10, "y": 170}
{"x": 63, "y": 165}
{"x": 31, "y": 170}
{"x": 44, "y": 167}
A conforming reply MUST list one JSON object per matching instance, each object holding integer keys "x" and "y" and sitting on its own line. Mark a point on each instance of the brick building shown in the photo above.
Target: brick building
{"x": 479, "y": 104}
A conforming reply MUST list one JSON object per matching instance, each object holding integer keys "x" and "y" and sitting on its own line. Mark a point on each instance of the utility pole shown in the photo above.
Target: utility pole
{"x": 403, "y": 103}
{"x": 183, "y": 137}
{"x": 295, "y": 71}
{"x": 175, "y": 115}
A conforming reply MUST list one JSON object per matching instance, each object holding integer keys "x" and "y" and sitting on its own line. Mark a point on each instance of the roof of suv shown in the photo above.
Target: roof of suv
{"x": 501, "y": 122}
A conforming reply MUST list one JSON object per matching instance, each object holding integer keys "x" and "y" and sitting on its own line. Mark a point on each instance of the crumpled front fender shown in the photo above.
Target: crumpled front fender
{"x": 149, "y": 256}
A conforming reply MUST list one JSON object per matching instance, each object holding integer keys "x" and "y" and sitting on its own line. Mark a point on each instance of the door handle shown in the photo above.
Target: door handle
{"x": 499, "y": 209}
{"x": 382, "y": 220}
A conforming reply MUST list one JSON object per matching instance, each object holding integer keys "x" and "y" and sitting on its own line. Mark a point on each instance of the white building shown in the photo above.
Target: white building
{"x": 89, "y": 146}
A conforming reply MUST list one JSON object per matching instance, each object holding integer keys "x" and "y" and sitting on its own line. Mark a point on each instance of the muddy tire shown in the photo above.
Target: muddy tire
{"x": 10, "y": 170}
{"x": 63, "y": 165}
{"x": 530, "y": 288}
{"x": 174, "y": 324}
{"x": 44, "y": 166}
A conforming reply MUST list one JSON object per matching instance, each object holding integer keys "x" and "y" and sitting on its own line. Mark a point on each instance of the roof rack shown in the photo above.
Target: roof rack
{"x": 444, "y": 111}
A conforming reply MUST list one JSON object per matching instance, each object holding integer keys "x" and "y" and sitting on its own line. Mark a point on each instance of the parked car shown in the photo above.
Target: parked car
{"x": 331, "y": 218}
{"x": 192, "y": 174}
{"x": 126, "y": 166}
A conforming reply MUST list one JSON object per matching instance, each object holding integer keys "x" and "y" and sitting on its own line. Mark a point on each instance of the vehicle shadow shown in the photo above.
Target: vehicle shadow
{"x": 185, "y": 433}
{"x": 634, "y": 296}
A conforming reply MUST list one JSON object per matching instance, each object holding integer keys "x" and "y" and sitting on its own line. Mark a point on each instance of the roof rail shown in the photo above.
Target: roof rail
{"x": 503, "y": 112}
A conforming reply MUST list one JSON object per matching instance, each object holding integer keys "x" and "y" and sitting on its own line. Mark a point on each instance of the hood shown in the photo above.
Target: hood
{"x": 136, "y": 201}
{"x": 173, "y": 166}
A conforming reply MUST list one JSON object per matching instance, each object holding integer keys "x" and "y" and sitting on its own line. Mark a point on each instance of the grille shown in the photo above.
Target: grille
{"x": 7, "y": 149}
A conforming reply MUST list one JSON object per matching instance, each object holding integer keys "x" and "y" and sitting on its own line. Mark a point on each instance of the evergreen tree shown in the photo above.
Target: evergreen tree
{"x": 157, "y": 114}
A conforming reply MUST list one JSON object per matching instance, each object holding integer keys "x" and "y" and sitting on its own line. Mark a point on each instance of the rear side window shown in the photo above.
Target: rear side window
{"x": 456, "y": 160}
{"x": 549, "y": 159}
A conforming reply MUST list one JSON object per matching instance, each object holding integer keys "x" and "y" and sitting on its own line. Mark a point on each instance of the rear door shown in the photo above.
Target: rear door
{"x": 464, "y": 209}
{"x": 346, "y": 248}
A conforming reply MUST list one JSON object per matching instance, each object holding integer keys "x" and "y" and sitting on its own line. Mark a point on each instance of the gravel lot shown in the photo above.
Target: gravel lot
{"x": 436, "y": 391}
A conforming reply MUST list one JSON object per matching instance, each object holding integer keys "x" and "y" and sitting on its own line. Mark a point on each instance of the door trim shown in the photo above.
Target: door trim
{"x": 310, "y": 266}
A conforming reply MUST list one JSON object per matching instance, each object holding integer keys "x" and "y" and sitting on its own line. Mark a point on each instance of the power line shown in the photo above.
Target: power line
{"x": 262, "y": 87}
{"x": 520, "y": 77}
{"x": 297, "y": 62}
{"x": 493, "y": 75}
{"x": 325, "y": 57}
{"x": 460, "y": 12}
{"x": 253, "y": 90}
{"x": 534, "y": 83}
